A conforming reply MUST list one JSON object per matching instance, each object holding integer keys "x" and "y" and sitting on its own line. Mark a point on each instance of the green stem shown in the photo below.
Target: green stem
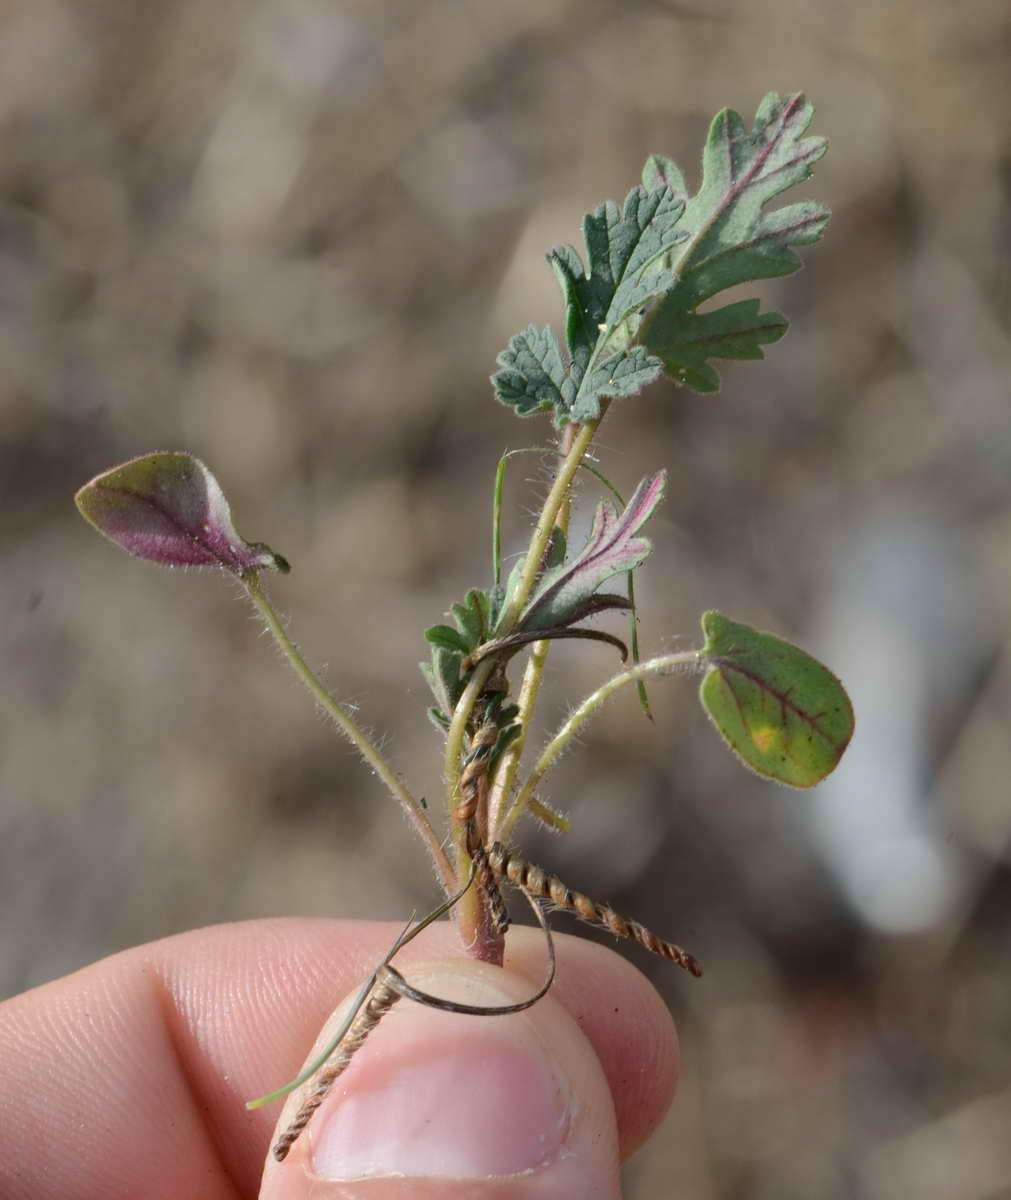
{"x": 666, "y": 664}
{"x": 458, "y": 731}
{"x": 508, "y": 767}
{"x": 469, "y": 912}
{"x": 545, "y": 524}
{"x": 352, "y": 731}
{"x": 496, "y": 516}
{"x": 531, "y": 566}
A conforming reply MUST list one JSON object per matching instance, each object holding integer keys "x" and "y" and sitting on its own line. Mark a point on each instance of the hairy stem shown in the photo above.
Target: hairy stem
{"x": 353, "y": 732}
{"x": 473, "y": 919}
{"x": 471, "y": 916}
{"x": 546, "y": 522}
{"x": 665, "y": 664}
{"x": 509, "y": 763}
{"x": 508, "y": 767}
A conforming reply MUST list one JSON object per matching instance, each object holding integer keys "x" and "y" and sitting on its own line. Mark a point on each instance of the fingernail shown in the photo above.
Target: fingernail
{"x": 443, "y": 1095}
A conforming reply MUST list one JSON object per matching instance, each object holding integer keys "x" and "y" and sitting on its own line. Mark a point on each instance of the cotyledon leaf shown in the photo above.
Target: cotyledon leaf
{"x": 169, "y": 508}
{"x": 783, "y": 713}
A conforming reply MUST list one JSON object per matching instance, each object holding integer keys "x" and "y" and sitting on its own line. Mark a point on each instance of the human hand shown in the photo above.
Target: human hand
{"x": 128, "y": 1079}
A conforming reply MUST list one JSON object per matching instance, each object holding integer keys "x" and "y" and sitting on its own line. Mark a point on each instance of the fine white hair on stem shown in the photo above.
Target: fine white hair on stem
{"x": 341, "y": 717}
{"x": 684, "y": 662}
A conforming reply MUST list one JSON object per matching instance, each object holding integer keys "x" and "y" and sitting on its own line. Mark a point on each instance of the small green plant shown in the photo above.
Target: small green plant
{"x": 631, "y": 314}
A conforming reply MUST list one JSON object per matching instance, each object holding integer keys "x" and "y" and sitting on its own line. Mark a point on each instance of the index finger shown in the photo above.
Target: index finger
{"x": 130, "y": 1077}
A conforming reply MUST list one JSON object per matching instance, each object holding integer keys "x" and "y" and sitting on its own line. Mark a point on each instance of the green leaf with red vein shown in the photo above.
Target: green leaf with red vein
{"x": 735, "y": 331}
{"x": 169, "y": 509}
{"x": 783, "y": 713}
{"x": 627, "y": 249}
{"x": 732, "y": 238}
{"x": 662, "y": 171}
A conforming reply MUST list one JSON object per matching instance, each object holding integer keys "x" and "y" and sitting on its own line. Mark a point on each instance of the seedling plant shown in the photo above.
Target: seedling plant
{"x": 632, "y": 312}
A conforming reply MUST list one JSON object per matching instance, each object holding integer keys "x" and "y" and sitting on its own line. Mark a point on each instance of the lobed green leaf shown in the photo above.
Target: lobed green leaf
{"x": 632, "y": 312}
{"x": 447, "y": 637}
{"x": 661, "y": 171}
{"x": 442, "y": 674}
{"x": 732, "y": 239}
{"x": 567, "y": 593}
{"x": 473, "y": 620}
{"x": 532, "y": 376}
{"x": 623, "y": 374}
{"x": 736, "y": 331}
{"x": 626, "y": 249}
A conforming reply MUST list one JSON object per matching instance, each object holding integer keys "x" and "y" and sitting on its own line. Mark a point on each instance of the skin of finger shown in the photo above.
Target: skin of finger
{"x": 587, "y": 1166}
{"x": 625, "y": 1020}
{"x": 130, "y": 1076}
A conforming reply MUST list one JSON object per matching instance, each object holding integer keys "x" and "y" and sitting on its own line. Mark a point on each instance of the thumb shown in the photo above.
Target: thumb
{"x": 449, "y": 1106}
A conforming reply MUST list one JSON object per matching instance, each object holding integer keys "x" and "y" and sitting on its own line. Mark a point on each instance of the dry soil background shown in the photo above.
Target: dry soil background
{"x": 291, "y": 236}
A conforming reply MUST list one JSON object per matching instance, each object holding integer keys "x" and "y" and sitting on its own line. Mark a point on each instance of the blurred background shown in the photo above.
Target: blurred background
{"x": 291, "y": 236}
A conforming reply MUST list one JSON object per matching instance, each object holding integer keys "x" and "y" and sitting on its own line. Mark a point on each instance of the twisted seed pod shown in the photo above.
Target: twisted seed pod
{"x": 475, "y": 771}
{"x": 379, "y": 1003}
{"x": 538, "y": 882}
{"x": 489, "y": 885}
{"x": 473, "y": 781}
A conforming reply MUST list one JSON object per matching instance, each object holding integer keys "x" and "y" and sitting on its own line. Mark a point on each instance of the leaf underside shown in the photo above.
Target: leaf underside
{"x": 734, "y": 240}
{"x": 169, "y": 509}
{"x": 566, "y": 593}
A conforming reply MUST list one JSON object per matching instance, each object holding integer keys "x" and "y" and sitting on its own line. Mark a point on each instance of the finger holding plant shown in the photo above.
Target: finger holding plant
{"x": 631, "y": 314}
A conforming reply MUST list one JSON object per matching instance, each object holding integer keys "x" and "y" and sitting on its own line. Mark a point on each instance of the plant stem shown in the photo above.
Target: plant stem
{"x": 532, "y": 565}
{"x": 666, "y": 664}
{"x": 508, "y": 767}
{"x": 353, "y": 732}
{"x": 545, "y": 524}
{"x": 470, "y": 914}
{"x": 509, "y": 763}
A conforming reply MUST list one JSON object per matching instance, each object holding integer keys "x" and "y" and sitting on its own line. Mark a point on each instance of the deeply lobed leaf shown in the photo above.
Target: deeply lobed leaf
{"x": 632, "y": 313}
{"x": 532, "y": 376}
{"x": 626, "y": 248}
{"x": 732, "y": 239}
{"x": 735, "y": 331}
{"x": 473, "y": 619}
{"x": 566, "y": 593}
{"x": 623, "y": 374}
{"x": 661, "y": 171}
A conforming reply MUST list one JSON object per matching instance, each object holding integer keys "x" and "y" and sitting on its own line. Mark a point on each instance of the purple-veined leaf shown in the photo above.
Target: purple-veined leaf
{"x": 782, "y": 712}
{"x": 737, "y": 330}
{"x": 662, "y": 171}
{"x": 169, "y": 508}
{"x": 566, "y": 593}
{"x": 733, "y": 239}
